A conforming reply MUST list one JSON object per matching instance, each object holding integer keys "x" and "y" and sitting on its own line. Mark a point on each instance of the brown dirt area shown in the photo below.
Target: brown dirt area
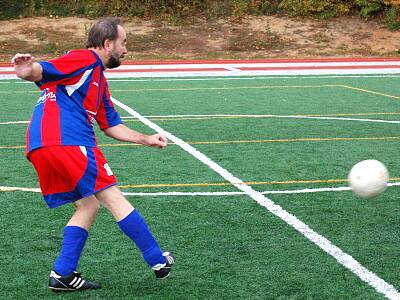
{"x": 249, "y": 38}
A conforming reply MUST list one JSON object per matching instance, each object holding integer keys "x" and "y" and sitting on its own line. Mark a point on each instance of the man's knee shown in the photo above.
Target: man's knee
{"x": 110, "y": 197}
{"x": 113, "y": 199}
{"x": 88, "y": 204}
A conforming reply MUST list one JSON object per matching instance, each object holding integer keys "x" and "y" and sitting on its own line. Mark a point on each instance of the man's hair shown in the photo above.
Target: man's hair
{"x": 102, "y": 30}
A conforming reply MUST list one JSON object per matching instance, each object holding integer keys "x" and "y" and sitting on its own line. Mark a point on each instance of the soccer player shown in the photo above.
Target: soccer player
{"x": 61, "y": 145}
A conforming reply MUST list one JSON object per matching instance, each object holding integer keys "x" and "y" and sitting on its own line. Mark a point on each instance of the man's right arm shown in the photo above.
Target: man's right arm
{"x": 26, "y": 68}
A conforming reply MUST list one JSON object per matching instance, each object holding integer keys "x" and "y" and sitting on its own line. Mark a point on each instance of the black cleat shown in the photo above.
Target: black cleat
{"x": 162, "y": 271}
{"x": 73, "y": 282}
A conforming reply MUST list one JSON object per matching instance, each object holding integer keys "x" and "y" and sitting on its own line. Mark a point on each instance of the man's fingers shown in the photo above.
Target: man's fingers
{"x": 19, "y": 58}
{"x": 163, "y": 140}
{"x": 157, "y": 140}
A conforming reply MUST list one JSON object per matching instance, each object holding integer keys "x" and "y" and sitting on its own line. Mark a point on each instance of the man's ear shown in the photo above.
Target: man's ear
{"x": 108, "y": 45}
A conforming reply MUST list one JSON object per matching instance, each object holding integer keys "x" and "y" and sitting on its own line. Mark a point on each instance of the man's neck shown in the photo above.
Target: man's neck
{"x": 102, "y": 54}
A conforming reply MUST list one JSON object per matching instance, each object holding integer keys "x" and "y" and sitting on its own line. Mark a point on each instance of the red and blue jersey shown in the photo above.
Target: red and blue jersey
{"x": 74, "y": 95}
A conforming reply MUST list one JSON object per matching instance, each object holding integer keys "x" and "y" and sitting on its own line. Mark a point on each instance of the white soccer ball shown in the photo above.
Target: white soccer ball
{"x": 368, "y": 178}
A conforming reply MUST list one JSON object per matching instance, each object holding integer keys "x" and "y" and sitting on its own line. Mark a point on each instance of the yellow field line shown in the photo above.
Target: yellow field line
{"x": 173, "y": 185}
{"x": 353, "y": 114}
{"x": 158, "y": 185}
{"x": 296, "y": 140}
{"x": 370, "y": 92}
{"x": 12, "y": 147}
{"x": 248, "y": 141}
{"x": 121, "y": 145}
{"x": 234, "y": 88}
{"x": 227, "y": 183}
{"x": 268, "y": 141}
{"x": 18, "y": 92}
{"x": 190, "y": 118}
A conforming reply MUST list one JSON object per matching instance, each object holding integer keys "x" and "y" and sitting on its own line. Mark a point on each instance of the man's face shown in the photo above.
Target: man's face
{"x": 118, "y": 50}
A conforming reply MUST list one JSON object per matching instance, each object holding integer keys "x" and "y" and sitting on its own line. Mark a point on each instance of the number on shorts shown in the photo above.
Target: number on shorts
{"x": 108, "y": 169}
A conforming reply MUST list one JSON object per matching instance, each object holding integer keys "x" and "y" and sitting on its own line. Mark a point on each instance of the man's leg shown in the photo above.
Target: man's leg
{"x": 64, "y": 276}
{"x": 85, "y": 213}
{"x": 75, "y": 235}
{"x": 134, "y": 226}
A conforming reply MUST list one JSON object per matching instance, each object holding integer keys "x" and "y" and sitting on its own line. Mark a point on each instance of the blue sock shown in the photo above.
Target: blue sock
{"x": 136, "y": 228}
{"x": 71, "y": 250}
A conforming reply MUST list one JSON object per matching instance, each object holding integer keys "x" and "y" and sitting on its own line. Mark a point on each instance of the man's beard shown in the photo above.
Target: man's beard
{"x": 114, "y": 61}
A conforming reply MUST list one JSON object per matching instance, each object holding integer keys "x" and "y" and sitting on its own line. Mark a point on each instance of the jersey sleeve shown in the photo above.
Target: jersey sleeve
{"x": 107, "y": 116}
{"x": 66, "y": 69}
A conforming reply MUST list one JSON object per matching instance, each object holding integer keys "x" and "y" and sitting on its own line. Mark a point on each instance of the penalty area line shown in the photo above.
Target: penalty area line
{"x": 341, "y": 257}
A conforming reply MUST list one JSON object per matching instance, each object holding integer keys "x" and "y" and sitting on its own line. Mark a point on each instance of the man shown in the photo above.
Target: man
{"x": 61, "y": 145}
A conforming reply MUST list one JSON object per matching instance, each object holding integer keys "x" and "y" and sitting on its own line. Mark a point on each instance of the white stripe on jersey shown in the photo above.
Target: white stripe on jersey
{"x": 83, "y": 149}
{"x": 72, "y": 88}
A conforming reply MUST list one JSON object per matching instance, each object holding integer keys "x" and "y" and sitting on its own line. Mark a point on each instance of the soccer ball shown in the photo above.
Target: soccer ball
{"x": 368, "y": 178}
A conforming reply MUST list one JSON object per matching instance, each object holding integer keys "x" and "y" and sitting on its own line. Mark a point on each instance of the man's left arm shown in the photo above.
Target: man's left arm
{"x": 125, "y": 134}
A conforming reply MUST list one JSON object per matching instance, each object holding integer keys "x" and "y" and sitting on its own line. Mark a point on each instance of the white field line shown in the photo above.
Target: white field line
{"x": 130, "y": 79}
{"x": 248, "y": 116}
{"x": 343, "y": 258}
{"x": 122, "y": 79}
{"x": 228, "y": 73}
{"x": 274, "y": 116}
{"x": 247, "y": 73}
{"x": 14, "y": 122}
{"x": 302, "y": 191}
{"x": 14, "y": 188}
{"x": 235, "y": 65}
{"x": 215, "y": 194}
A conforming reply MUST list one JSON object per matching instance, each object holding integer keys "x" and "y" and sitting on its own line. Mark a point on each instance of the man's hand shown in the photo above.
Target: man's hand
{"x": 26, "y": 68}
{"x": 156, "y": 140}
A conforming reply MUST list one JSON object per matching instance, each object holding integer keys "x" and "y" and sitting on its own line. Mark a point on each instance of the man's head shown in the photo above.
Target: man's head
{"x": 108, "y": 36}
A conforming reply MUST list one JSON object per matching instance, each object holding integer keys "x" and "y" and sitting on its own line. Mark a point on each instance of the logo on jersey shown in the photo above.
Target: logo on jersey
{"x": 91, "y": 116}
{"x": 46, "y": 96}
